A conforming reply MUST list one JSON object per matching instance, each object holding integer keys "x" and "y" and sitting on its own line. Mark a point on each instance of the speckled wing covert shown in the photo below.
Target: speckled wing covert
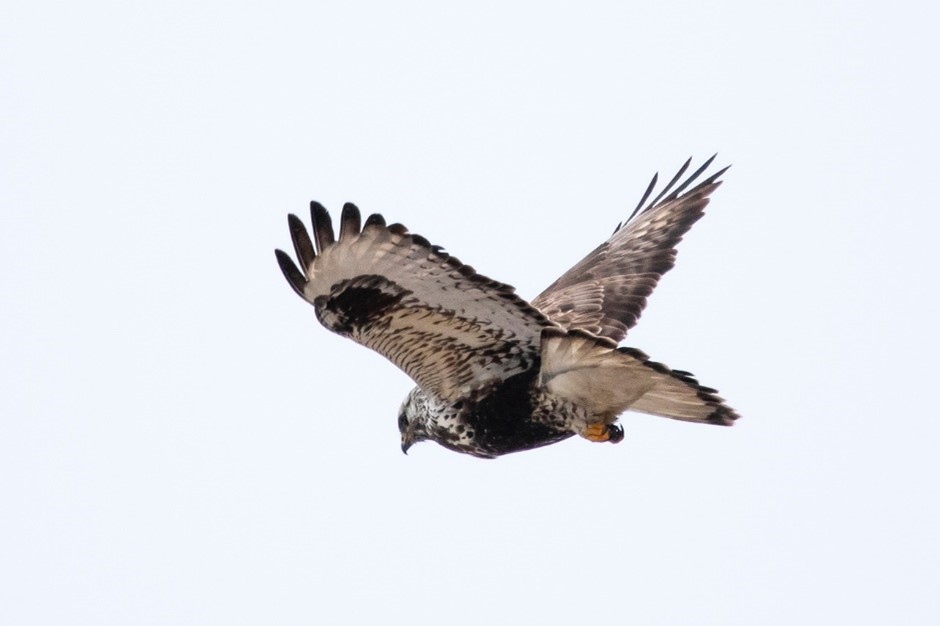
{"x": 605, "y": 293}
{"x": 447, "y": 327}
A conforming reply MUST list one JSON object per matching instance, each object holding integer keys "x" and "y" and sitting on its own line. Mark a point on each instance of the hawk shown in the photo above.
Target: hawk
{"x": 496, "y": 374}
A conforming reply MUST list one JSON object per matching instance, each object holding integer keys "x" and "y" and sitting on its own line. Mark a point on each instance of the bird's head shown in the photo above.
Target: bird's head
{"x": 413, "y": 419}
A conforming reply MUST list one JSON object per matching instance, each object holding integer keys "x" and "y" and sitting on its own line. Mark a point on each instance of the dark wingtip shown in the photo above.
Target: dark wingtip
{"x": 374, "y": 220}
{"x": 672, "y": 182}
{"x": 350, "y": 222}
{"x": 691, "y": 179}
{"x": 669, "y": 194}
{"x": 303, "y": 247}
{"x": 714, "y": 177}
{"x": 291, "y": 273}
{"x": 723, "y": 416}
{"x": 322, "y": 226}
{"x": 646, "y": 194}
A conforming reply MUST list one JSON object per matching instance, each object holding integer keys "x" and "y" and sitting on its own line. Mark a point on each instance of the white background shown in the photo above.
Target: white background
{"x": 182, "y": 443}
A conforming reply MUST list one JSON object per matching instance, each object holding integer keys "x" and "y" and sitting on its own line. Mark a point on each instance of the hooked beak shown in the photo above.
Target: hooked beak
{"x": 408, "y": 438}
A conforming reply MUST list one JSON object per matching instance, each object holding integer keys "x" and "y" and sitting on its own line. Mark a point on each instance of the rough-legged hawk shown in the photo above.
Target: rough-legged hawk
{"x": 497, "y": 374}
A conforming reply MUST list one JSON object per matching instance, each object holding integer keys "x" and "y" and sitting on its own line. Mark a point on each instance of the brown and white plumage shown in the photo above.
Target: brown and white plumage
{"x": 494, "y": 373}
{"x": 449, "y": 328}
{"x": 607, "y": 290}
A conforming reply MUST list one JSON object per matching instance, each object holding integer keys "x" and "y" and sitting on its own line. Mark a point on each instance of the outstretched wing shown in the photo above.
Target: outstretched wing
{"x": 606, "y": 292}
{"x": 446, "y": 326}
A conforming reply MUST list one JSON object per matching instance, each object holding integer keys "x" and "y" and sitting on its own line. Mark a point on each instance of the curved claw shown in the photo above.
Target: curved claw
{"x": 615, "y": 433}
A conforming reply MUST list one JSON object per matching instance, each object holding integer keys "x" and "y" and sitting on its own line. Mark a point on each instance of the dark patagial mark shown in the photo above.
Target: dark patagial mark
{"x": 357, "y": 302}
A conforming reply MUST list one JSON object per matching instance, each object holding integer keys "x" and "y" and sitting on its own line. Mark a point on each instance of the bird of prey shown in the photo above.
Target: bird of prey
{"x": 496, "y": 374}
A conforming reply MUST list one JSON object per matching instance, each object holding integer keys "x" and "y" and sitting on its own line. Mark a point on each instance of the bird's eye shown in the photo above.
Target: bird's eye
{"x": 402, "y": 421}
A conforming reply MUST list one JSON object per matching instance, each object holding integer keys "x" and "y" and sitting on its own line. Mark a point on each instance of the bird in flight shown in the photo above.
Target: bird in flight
{"x": 496, "y": 374}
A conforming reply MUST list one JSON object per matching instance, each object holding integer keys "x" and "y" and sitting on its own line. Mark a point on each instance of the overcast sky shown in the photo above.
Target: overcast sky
{"x": 182, "y": 443}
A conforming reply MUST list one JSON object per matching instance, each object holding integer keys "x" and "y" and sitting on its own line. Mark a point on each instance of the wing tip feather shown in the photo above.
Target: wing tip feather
{"x": 294, "y": 276}
{"x": 374, "y": 219}
{"x": 669, "y": 194}
{"x": 350, "y": 222}
{"x": 322, "y": 226}
{"x": 303, "y": 247}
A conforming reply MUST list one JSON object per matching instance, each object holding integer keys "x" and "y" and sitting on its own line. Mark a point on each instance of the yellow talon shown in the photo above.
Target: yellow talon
{"x": 596, "y": 432}
{"x": 603, "y": 432}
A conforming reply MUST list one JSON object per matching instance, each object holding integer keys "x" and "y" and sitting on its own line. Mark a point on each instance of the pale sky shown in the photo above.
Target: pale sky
{"x": 182, "y": 443}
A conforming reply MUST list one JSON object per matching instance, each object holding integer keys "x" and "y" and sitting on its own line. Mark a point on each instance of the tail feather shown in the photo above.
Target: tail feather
{"x": 678, "y": 395}
{"x": 593, "y": 372}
